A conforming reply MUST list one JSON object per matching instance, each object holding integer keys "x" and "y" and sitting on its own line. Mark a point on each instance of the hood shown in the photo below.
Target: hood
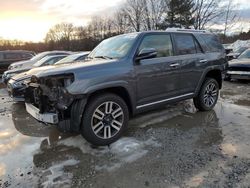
{"x": 29, "y": 73}
{"x": 20, "y": 62}
{"x": 16, "y": 71}
{"x": 75, "y": 68}
{"x": 23, "y": 64}
{"x": 239, "y": 63}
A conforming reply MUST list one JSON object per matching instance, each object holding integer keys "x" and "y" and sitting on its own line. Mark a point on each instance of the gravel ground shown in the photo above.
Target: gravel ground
{"x": 175, "y": 146}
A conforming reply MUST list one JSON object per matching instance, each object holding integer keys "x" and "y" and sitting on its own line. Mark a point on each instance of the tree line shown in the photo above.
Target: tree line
{"x": 135, "y": 16}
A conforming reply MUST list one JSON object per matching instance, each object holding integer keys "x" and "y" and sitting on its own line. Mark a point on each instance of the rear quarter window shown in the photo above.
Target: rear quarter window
{"x": 211, "y": 43}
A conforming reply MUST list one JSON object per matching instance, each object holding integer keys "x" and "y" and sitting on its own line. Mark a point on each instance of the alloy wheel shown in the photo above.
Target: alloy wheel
{"x": 107, "y": 120}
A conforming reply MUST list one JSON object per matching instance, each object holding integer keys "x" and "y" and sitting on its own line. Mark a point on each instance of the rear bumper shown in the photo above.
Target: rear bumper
{"x": 239, "y": 75}
{"x": 45, "y": 117}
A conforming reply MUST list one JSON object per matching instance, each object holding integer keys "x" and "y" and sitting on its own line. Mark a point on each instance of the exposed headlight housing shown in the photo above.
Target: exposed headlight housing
{"x": 64, "y": 80}
{"x": 21, "y": 83}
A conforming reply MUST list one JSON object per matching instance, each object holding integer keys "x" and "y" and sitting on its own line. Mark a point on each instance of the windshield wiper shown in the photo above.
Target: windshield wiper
{"x": 103, "y": 57}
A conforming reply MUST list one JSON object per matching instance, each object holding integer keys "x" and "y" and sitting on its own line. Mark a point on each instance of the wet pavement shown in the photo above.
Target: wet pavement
{"x": 175, "y": 146}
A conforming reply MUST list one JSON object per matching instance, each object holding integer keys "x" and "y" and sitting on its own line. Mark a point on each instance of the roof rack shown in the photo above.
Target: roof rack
{"x": 187, "y": 30}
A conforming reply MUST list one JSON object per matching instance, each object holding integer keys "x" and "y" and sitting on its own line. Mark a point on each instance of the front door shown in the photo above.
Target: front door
{"x": 157, "y": 78}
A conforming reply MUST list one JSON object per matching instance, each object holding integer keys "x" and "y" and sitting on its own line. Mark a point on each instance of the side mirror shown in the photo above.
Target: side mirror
{"x": 146, "y": 53}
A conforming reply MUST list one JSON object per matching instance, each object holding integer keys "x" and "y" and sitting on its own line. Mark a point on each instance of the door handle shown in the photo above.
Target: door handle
{"x": 174, "y": 65}
{"x": 203, "y": 61}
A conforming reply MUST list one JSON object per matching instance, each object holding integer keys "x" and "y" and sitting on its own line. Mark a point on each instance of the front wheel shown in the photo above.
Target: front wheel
{"x": 208, "y": 95}
{"x": 105, "y": 119}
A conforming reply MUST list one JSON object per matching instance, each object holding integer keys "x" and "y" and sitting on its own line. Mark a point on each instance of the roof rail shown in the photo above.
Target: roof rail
{"x": 187, "y": 30}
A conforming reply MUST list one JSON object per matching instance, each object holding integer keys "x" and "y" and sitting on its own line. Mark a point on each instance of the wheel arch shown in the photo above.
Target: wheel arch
{"x": 211, "y": 73}
{"x": 121, "y": 91}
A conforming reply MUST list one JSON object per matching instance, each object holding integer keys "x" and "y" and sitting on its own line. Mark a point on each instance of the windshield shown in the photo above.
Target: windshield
{"x": 68, "y": 59}
{"x": 245, "y": 54}
{"x": 39, "y": 56}
{"x": 115, "y": 47}
{"x": 42, "y": 61}
{"x": 240, "y": 50}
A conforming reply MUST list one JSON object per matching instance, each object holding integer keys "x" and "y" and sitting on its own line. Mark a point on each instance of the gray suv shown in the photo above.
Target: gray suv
{"x": 126, "y": 75}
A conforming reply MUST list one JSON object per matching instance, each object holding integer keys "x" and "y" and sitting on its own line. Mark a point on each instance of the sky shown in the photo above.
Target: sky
{"x": 30, "y": 20}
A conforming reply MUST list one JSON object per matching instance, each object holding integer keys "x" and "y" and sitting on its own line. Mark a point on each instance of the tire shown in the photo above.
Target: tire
{"x": 105, "y": 119}
{"x": 208, "y": 95}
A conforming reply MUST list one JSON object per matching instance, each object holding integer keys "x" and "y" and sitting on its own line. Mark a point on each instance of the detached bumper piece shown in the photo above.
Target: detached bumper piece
{"x": 45, "y": 117}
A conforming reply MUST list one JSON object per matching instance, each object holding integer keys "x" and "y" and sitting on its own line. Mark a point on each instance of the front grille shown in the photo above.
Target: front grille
{"x": 239, "y": 68}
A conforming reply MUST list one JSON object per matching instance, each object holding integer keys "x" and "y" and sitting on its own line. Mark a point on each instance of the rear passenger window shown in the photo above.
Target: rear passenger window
{"x": 162, "y": 44}
{"x": 185, "y": 44}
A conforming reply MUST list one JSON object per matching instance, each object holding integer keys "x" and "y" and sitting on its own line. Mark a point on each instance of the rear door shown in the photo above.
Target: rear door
{"x": 192, "y": 59}
{"x": 157, "y": 78}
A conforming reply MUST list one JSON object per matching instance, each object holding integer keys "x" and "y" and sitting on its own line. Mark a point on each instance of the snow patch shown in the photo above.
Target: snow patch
{"x": 125, "y": 150}
{"x": 55, "y": 175}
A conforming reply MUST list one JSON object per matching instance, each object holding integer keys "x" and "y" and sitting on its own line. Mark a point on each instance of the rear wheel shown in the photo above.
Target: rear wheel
{"x": 208, "y": 95}
{"x": 105, "y": 119}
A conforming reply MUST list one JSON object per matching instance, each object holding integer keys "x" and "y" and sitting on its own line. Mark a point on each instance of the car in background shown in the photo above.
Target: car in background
{"x": 36, "y": 58}
{"x": 73, "y": 58}
{"x": 239, "y": 68}
{"x": 16, "y": 85}
{"x": 9, "y": 56}
{"x": 236, "y": 53}
{"x": 26, "y": 65}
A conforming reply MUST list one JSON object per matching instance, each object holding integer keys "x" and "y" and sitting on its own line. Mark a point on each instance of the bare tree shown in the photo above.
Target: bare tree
{"x": 230, "y": 16}
{"x": 62, "y": 33}
{"x": 153, "y": 13}
{"x": 133, "y": 11}
{"x": 120, "y": 22}
{"x": 205, "y": 12}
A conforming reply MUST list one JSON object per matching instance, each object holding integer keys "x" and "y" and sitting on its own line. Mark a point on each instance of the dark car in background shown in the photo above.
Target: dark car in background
{"x": 126, "y": 75}
{"x": 9, "y": 56}
{"x": 22, "y": 66}
{"x": 235, "y": 54}
{"x": 239, "y": 68}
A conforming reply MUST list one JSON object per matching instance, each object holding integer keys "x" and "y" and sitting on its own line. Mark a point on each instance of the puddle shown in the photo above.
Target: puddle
{"x": 161, "y": 148}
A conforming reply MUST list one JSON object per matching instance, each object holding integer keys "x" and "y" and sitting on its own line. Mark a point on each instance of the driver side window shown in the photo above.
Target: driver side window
{"x": 162, "y": 44}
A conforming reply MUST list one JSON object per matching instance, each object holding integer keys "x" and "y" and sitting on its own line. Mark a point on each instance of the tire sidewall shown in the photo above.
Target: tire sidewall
{"x": 86, "y": 129}
{"x": 202, "y": 93}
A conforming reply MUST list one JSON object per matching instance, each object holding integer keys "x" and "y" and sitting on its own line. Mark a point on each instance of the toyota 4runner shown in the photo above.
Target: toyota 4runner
{"x": 126, "y": 75}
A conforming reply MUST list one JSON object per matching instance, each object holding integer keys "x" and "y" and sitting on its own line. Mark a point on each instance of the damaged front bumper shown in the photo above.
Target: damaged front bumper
{"x": 53, "y": 104}
{"x": 51, "y": 118}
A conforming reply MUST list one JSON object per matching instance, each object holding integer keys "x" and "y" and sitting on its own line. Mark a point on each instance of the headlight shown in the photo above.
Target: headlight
{"x": 57, "y": 80}
{"x": 21, "y": 83}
